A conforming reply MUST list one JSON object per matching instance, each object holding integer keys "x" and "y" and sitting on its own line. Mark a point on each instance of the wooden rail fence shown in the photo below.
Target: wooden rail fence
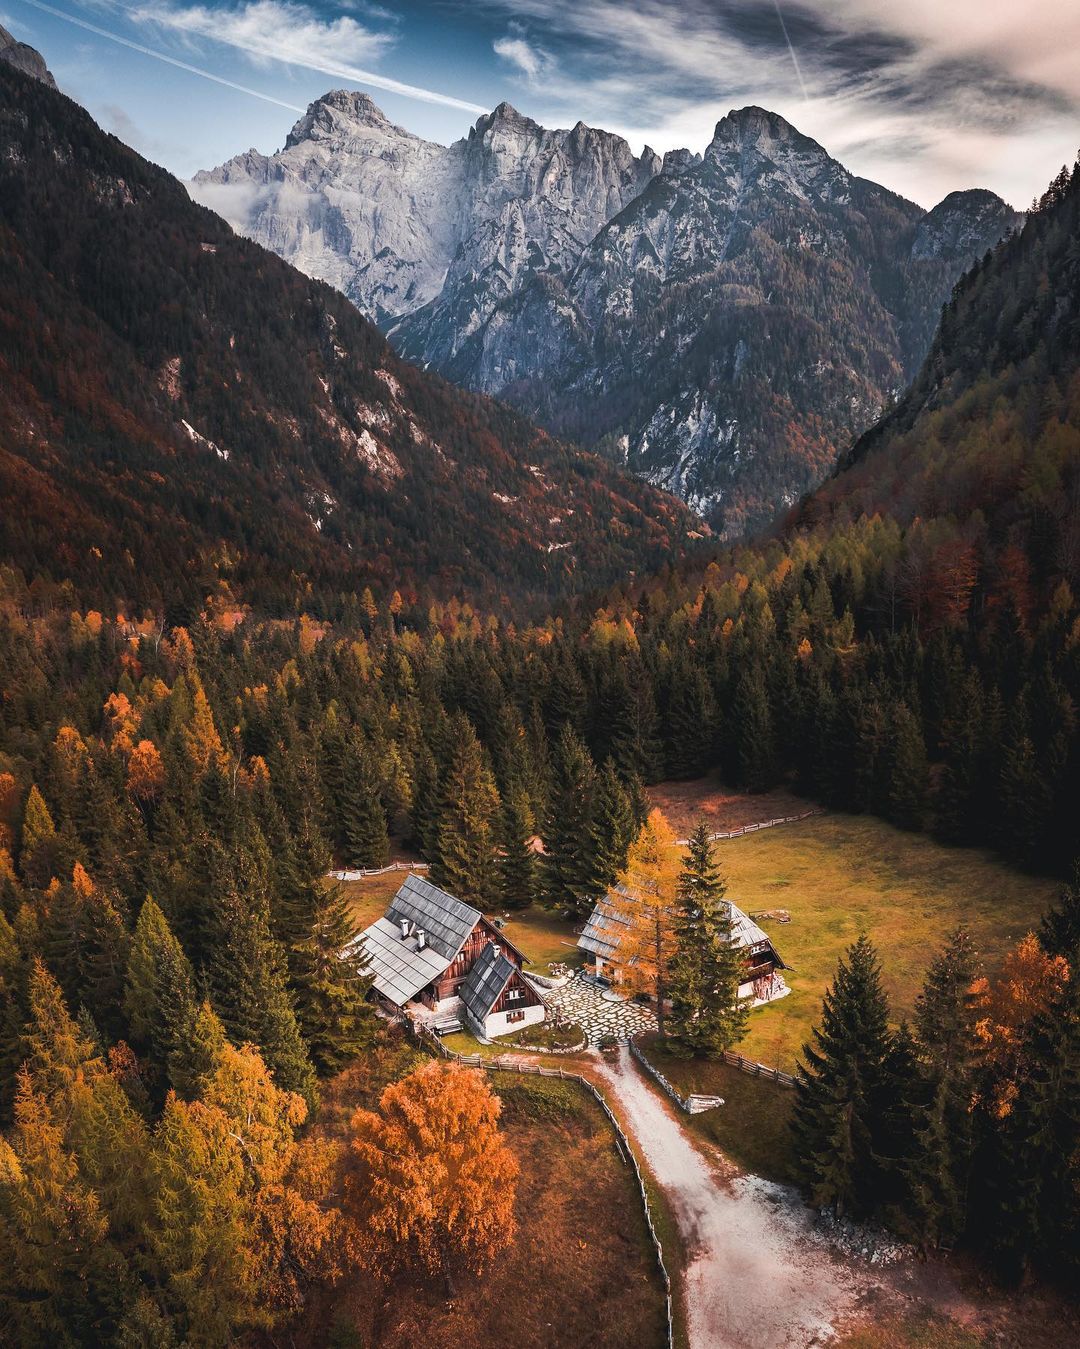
{"x": 753, "y": 828}
{"x": 498, "y": 1065}
{"x": 690, "y": 1103}
{"x": 378, "y": 871}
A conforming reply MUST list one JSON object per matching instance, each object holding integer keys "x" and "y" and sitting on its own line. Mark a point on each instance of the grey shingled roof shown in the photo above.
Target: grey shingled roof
{"x": 603, "y": 932}
{"x": 400, "y": 970}
{"x": 446, "y": 921}
{"x": 486, "y": 980}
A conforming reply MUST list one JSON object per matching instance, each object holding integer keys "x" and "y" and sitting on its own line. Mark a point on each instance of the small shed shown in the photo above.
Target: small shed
{"x": 497, "y": 997}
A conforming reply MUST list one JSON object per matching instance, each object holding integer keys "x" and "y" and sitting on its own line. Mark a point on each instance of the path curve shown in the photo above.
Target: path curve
{"x": 757, "y": 1275}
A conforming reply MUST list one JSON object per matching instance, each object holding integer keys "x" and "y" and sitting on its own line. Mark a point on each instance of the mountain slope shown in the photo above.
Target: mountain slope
{"x": 724, "y": 323}
{"x": 179, "y": 407}
{"x": 988, "y": 435}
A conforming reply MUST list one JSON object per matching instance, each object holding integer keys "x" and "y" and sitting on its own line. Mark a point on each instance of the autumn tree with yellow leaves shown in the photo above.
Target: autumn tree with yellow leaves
{"x": 644, "y": 900}
{"x": 432, "y": 1179}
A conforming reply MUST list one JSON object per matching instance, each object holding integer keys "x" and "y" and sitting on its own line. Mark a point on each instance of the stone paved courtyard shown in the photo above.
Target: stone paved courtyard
{"x": 584, "y": 1002}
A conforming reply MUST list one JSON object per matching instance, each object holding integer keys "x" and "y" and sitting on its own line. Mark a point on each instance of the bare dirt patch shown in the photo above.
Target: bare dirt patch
{"x": 687, "y": 804}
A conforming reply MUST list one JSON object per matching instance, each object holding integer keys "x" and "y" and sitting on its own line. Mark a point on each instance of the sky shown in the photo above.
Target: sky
{"x": 923, "y": 96}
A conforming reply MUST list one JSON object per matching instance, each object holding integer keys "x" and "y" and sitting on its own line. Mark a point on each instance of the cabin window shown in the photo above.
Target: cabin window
{"x": 513, "y": 994}
{"x": 516, "y": 1016}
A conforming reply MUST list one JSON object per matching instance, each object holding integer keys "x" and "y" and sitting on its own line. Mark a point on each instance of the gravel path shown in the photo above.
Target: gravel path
{"x": 757, "y": 1274}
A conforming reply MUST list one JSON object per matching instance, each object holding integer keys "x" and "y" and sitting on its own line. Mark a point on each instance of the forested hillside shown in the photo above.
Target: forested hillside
{"x": 182, "y": 411}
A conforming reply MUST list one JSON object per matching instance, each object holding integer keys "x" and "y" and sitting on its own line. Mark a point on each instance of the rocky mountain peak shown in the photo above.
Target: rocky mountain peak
{"x": 339, "y": 111}
{"x": 957, "y": 224}
{"x": 24, "y": 58}
{"x": 755, "y": 127}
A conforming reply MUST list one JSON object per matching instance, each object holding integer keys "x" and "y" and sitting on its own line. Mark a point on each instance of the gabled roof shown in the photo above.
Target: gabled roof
{"x": 401, "y": 970}
{"x": 445, "y": 921}
{"x": 609, "y": 920}
{"x": 488, "y": 977}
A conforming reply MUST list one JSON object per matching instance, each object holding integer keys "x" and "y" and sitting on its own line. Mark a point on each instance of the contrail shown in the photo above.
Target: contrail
{"x": 791, "y": 49}
{"x": 350, "y": 73}
{"x": 160, "y": 56}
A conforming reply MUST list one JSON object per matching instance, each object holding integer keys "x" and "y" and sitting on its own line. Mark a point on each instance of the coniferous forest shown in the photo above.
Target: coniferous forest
{"x": 205, "y": 704}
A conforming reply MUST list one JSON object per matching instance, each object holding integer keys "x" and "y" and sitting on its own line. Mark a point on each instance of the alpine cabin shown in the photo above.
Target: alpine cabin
{"x": 602, "y": 936}
{"x": 439, "y": 960}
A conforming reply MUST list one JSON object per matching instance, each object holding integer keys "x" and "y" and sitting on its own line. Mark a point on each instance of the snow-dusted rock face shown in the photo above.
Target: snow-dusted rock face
{"x": 24, "y": 58}
{"x": 725, "y": 322}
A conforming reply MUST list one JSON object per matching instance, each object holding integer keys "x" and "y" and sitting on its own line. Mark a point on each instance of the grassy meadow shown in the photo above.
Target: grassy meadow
{"x": 840, "y": 875}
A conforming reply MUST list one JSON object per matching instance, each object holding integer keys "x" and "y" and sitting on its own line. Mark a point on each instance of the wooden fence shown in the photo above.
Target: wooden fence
{"x": 498, "y": 1065}
{"x": 758, "y": 1069}
{"x": 378, "y": 871}
{"x": 753, "y": 828}
{"x": 688, "y": 1103}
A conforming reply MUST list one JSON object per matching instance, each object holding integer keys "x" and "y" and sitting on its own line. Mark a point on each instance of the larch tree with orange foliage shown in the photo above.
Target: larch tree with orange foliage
{"x": 644, "y": 901}
{"x": 1030, "y": 980}
{"x": 432, "y": 1178}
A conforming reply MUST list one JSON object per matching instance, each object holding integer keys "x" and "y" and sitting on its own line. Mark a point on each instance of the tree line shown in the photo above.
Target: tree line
{"x": 962, "y": 1128}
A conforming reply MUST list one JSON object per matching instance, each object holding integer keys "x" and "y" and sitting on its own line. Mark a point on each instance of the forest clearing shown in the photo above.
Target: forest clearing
{"x": 837, "y": 875}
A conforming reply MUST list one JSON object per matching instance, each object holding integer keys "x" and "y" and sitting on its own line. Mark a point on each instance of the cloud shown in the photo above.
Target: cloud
{"x": 979, "y": 90}
{"x": 285, "y": 31}
{"x": 530, "y": 60}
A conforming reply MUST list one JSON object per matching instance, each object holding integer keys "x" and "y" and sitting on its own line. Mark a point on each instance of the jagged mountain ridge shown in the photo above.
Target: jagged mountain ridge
{"x": 725, "y": 322}
{"x": 183, "y": 413}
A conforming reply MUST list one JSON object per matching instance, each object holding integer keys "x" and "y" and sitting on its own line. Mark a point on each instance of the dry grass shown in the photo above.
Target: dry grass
{"x": 686, "y": 804}
{"x": 581, "y": 1272}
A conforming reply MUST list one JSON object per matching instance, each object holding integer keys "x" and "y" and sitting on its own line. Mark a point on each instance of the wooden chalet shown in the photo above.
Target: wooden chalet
{"x": 607, "y": 924}
{"x": 426, "y": 947}
{"x": 496, "y": 996}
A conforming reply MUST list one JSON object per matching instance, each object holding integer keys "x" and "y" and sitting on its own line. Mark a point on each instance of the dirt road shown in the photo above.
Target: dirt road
{"x": 757, "y": 1275}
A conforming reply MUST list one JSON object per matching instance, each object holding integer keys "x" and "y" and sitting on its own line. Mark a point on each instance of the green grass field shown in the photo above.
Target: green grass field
{"x": 837, "y": 875}
{"x": 840, "y": 875}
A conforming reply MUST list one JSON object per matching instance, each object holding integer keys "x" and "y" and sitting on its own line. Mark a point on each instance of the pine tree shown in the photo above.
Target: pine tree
{"x": 569, "y": 840}
{"x": 363, "y": 817}
{"x": 946, "y": 1014}
{"x": 159, "y": 993}
{"x": 519, "y": 870}
{"x": 248, "y": 985}
{"x": 468, "y": 822}
{"x": 330, "y": 983}
{"x": 706, "y": 1015}
{"x": 908, "y": 771}
{"x": 843, "y": 1092}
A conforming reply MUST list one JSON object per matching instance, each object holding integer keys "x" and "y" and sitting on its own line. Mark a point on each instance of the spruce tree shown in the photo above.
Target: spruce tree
{"x": 330, "y": 983}
{"x": 908, "y": 771}
{"x": 751, "y": 730}
{"x": 519, "y": 869}
{"x": 1059, "y": 931}
{"x": 946, "y": 1013}
{"x": 707, "y": 1016}
{"x": 248, "y": 985}
{"x": 843, "y": 1091}
{"x": 159, "y": 993}
{"x": 367, "y": 843}
{"x": 1036, "y": 1218}
{"x": 569, "y": 840}
{"x": 614, "y": 828}
{"x": 468, "y": 823}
